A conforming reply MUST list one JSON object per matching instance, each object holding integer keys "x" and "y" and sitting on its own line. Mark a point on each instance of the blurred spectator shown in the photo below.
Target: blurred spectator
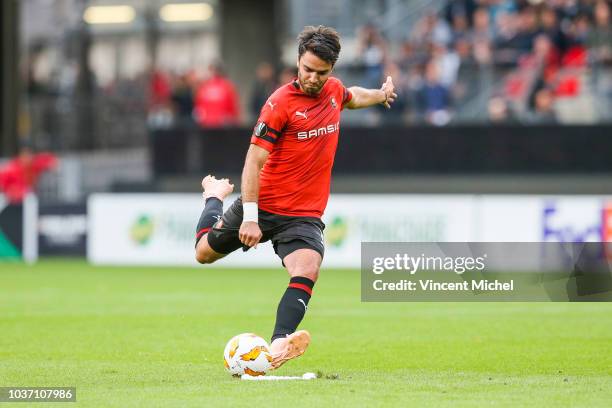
{"x": 460, "y": 9}
{"x": 482, "y": 28}
{"x": 527, "y": 30}
{"x": 463, "y": 50}
{"x": 506, "y": 28}
{"x": 262, "y": 88}
{"x": 413, "y": 85}
{"x": 160, "y": 106}
{"x": 497, "y": 7}
{"x": 435, "y": 97}
{"x": 216, "y": 100}
{"x": 19, "y": 176}
{"x": 544, "y": 57}
{"x": 468, "y": 72}
{"x": 460, "y": 25}
{"x": 447, "y": 62}
{"x": 579, "y": 30}
{"x": 372, "y": 51}
{"x": 544, "y": 112}
{"x": 182, "y": 97}
{"x": 431, "y": 29}
{"x": 552, "y": 28}
{"x": 159, "y": 89}
{"x": 481, "y": 37}
{"x": 599, "y": 38}
{"x": 411, "y": 55}
{"x": 499, "y": 111}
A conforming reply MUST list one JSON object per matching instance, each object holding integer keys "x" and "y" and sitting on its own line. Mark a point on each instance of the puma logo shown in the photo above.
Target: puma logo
{"x": 271, "y": 105}
{"x": 303, "y": 303}
{"x": 219, "y": 222}
{"x": 302, "y": 114}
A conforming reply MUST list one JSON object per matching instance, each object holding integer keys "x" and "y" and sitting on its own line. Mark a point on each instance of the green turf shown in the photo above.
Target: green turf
{"x": 148, "y": 337}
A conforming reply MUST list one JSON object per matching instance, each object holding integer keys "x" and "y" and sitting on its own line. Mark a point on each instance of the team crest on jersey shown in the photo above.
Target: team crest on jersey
{"x": 333, "y": 103}
{"x": 261, "y": 129}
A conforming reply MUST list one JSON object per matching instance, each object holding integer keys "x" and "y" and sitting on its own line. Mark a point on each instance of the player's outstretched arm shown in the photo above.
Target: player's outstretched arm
{"x": 250, "y": 233}
{"x": 363, "y": 98}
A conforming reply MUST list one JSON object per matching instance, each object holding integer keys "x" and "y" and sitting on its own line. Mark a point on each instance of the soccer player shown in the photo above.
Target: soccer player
{"x": 286, "y": 181}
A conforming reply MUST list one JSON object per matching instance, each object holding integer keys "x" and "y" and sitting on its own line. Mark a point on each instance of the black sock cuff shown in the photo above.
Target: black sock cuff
{"x": 213, "y": 209}
{"x": 213, "y": 200}
{"x": 301, "y": 283}
{"x": 303, "y": 280}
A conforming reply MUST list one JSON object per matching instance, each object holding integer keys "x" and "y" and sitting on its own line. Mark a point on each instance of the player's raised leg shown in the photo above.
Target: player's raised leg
{"x": 215, "y": 192}
{"x": 287, "y": 343}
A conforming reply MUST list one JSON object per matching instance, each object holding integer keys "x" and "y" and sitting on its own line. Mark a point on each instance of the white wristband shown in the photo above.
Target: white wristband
{"x": 250, "y": 212}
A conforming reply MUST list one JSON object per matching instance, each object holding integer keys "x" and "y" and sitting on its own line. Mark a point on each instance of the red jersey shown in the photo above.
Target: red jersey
{"x": 301, "y": 133}
{"x": 216, "y": 103}
{"x": 18, "y": 178}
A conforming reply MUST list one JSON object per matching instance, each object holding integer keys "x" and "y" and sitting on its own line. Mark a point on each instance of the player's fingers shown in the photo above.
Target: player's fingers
{"x": 258, "y": 239}
{"x": 389, "y": 80}
{"x": 254, "y": 240}
{"x": 387, "y": 84}
{"x": 244, "y": 238}
{"x": 387, "y": 105}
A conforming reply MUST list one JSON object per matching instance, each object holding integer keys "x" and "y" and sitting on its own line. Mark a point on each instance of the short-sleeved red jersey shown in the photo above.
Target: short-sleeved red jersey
{"x": 301, "y": 133}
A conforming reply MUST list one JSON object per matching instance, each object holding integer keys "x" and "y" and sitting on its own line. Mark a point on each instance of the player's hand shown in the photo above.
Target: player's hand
{"x": 389, "y": 91}
{"x": 250, "y": 234}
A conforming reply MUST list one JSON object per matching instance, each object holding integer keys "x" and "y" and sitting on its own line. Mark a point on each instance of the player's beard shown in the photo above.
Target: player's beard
{"x": 310, "y": 88}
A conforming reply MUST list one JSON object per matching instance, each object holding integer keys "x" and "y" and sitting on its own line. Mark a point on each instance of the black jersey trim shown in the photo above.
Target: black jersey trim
{"x": 274, "y": 131}
{"x": 267, "y": 138}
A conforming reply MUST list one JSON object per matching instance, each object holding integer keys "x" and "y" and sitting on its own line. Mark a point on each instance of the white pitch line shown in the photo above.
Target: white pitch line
{"x": 306, "y": 376}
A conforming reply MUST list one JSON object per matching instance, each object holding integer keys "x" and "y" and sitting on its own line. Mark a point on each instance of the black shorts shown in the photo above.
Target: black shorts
{"x": 286, "y": 232}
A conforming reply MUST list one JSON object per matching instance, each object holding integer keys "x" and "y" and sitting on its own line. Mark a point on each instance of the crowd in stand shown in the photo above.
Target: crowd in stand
{"x": 210, "y": 101}
{"x": 525, "y": 54}
{"x": 473, "y": 60}
{"x": 521, "y": 56}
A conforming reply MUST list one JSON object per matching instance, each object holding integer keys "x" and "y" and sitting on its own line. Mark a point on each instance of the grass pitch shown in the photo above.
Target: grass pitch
{"x": 154, "y": 337}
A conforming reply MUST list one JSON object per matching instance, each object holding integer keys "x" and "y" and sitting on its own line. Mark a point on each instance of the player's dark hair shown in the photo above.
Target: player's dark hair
{"x": 324, "y": 42}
